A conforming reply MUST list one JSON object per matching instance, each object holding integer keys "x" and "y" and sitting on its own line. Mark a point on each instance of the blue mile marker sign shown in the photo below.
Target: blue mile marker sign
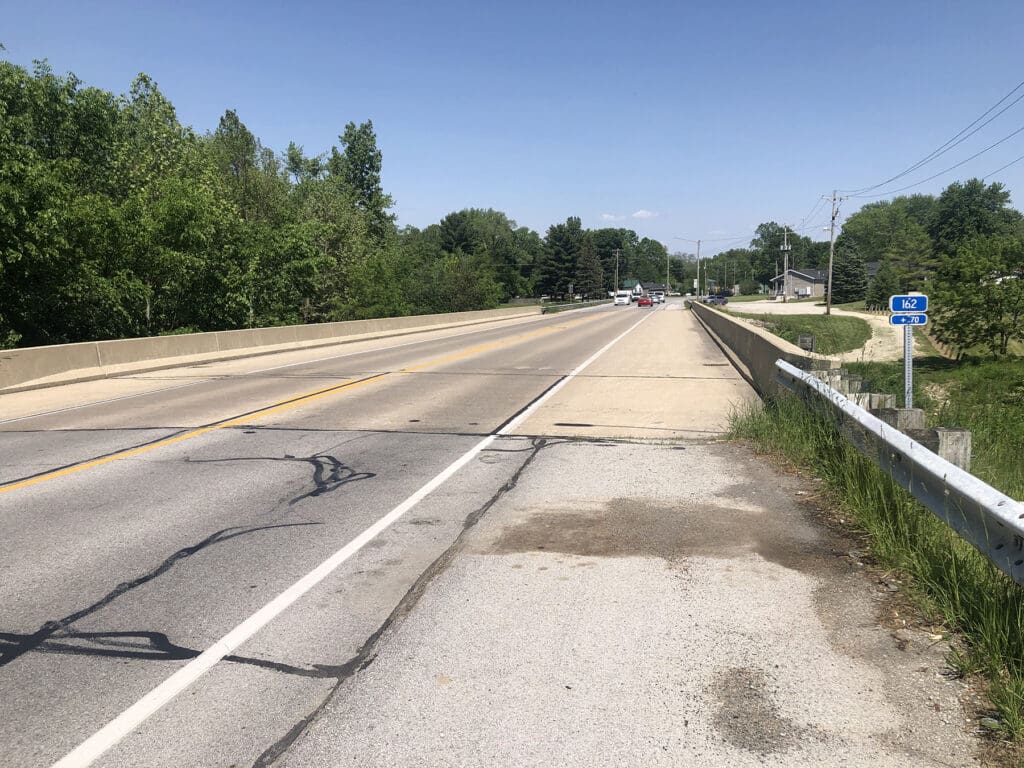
{"x": 908, "y": 303}
{"x": 909, "y": 319}
{"x": 908, "y": 309}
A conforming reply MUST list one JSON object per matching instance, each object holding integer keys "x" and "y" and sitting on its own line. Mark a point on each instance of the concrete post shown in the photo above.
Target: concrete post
{"x": 881, "y": 400}
{"x": 952, "y": 444}
{"x": 902, "y": 419}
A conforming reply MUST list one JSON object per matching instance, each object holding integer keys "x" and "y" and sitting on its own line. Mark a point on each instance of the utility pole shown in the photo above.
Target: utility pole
{"x": 785, "y": 248}
{"x": 618, "y": 252}
{"x": 698, "y": 270}
{"x": 831, "y": 248}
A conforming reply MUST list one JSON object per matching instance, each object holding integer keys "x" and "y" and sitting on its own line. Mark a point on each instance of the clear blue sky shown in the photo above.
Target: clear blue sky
{"x": 692, "y": 119}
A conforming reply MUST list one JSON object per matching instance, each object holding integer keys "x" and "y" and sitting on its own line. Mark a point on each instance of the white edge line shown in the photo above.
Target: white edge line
{"x": 528, "y": 412}
{"x": 106, "y": 737}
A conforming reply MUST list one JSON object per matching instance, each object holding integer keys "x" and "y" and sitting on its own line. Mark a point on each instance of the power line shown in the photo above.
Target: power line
{"x": 752, "y": 235}
{"x": 813, "y": 210}
{"x": 958, "y": 139}
{"x": 1000, "y": 170}
{"x": 947, "y": 170}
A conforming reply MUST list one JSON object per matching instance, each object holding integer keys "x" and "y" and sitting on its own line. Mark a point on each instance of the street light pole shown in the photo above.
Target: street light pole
{"x": 617, "y": 253}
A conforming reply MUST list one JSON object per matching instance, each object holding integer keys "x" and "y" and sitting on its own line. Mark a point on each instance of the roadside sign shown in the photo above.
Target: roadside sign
{"x": 909, "y": 303}
{"x": 909, "y": 319}
{"x": 909, "y": 310}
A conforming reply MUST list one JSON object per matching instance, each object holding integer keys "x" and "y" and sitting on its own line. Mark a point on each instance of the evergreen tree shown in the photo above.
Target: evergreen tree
{"x": 849, "y": 280}
{"x": 589, "y": 274}
{"x": 883, "y": 285}
{"x": 561, "y": 247}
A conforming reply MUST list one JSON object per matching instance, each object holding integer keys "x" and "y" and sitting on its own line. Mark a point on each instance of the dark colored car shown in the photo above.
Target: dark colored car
{"x": 645, "y": 301}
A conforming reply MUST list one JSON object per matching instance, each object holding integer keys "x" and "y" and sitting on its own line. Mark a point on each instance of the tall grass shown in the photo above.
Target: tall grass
{"x": 984, "y": 396}
{"x": 970, "y": 594}
{"x": 832, "y": 333}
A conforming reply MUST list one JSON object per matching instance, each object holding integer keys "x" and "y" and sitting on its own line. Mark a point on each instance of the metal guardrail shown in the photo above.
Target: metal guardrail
{"x": 988, "y": 519}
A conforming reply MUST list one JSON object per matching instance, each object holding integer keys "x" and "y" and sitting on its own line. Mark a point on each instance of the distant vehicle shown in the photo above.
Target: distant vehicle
{"x": 659, "y": 296}
{"x": 645, "y": 301}
{"x": 622, "y": 297}
{"x": 714, "y": 299}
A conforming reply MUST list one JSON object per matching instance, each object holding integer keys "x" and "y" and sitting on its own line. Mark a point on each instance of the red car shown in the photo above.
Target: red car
{"x": 645, "y": 301}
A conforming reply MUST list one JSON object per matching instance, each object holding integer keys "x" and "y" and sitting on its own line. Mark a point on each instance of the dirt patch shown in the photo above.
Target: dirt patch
{"x": 632, "y": 528}
{"x": 940, "y": 393}
{"x": 747, "y": 717}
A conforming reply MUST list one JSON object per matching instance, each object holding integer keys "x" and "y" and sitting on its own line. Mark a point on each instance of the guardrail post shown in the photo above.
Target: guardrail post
{"x": 952, "y": 444}
{"x": 882, "y": 400}
{"x": 853, "y": 383}
{"x": 863, "y": 399}
{"x": 901, "y": 418}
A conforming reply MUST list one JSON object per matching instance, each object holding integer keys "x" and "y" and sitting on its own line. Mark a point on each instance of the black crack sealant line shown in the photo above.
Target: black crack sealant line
{"x": 14, "y": 645}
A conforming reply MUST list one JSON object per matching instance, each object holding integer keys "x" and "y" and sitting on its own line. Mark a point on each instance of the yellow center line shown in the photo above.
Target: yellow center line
{"x": 488, "y": 347}
{"x": 292, "y": 402}
{"x": 232, "y": 422}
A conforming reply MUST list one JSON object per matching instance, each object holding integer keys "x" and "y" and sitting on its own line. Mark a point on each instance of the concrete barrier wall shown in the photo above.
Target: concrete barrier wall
{"x": 755, "y": 349}
{"x": 18, "y": 365}
{"x": 96, "y": 359}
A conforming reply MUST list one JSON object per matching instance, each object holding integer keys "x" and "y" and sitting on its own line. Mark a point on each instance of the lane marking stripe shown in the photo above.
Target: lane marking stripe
{"x": 284, "y": 405}
{"x": 231, "y": 422}
{"x": 92, "y": 748}
{"x": 214, "y": 377}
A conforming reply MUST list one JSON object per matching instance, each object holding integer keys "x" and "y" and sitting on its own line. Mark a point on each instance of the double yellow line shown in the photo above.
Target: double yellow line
{"x": 292, "y": 402}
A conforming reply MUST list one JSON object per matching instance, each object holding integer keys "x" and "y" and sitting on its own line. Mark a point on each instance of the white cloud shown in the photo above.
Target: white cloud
{"x": 612, "y": 217}
{"x": 642, "y": 214}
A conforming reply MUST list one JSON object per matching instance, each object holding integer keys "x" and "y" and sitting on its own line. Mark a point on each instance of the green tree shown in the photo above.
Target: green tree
{"x": 235, "y": 151}
{"x": 766, "y": 251}
{"x": 609, "y": 240}
{"x": 884, "y": 284}
{"x": 849, "y": 280}
{"x": 562, "y": 245}
{"x": 301, "y": 168}
{"x": 650, "y": 261}
{"x": 589, "y": 274}
{"x": 357, "y": 169}
{"x": 968, "y": 210}
{"x": 978, "y": 296}
{"x": 892, "y": 231}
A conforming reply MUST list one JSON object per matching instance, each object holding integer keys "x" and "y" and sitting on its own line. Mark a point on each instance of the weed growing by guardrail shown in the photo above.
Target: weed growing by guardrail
{"x": 951, "y": 579}
{"x": 984, "y": 396}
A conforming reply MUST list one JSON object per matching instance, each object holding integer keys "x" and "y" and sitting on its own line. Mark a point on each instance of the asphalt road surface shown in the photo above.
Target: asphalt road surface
{"x": 517, "y": 544}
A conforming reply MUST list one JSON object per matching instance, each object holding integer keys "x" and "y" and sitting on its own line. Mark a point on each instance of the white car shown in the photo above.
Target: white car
{"x": 623, "y": 297}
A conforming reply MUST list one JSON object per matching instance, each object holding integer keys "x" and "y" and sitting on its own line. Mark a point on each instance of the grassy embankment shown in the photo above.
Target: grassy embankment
{"x": 832, "y": 333}
{"x": 949, "y": 580}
